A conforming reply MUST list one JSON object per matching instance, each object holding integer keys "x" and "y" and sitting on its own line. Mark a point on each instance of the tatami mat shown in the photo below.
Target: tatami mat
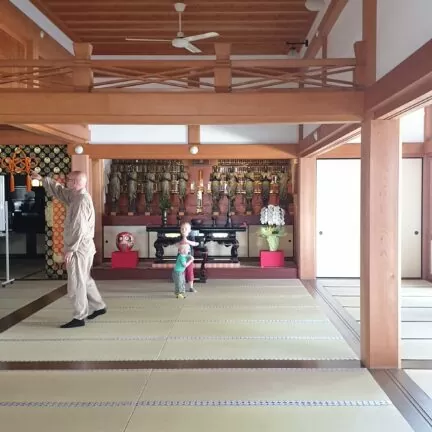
{"x": 406, "y": 302}
{"x": 21, "y": 293}
{"x": 407, "y": 314}
{"x": 192, "y": 400}
{"x": 423, "y": 378}
{"x": 145, "y": 321}
{"x": 416, "y": 312}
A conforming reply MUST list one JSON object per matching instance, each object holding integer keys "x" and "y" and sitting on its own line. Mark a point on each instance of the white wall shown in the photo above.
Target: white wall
{"x": 403, "y": 27}
{"x": 346, "y": 31}
{"x": 210, "y": 134}
{"x": 249, "y": 134}
{"x": 138, "y": 134}
{"x": 411, "y": 128}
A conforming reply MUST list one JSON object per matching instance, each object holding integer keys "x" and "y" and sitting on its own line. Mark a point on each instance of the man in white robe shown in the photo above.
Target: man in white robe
{"x": 79, "y": 247}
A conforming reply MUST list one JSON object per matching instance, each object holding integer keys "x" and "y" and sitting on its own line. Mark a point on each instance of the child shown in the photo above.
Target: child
{"x": 189, "y": 239}
{"x": 183, "y": 261}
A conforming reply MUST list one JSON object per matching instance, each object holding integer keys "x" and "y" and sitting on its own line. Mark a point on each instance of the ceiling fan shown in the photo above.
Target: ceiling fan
{"x": 180, "y": 41}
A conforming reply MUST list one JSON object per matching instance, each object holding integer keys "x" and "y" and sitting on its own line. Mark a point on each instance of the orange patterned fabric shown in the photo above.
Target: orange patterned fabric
{"x": 59, "y": 214}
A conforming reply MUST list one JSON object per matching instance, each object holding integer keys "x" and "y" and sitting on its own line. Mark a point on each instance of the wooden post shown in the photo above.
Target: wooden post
{"x": 32, "y": 53}
{"x": 97, "y": 193}
{"x": 380, "y": 243}
{"x": 194, "y": 131}
{"x": 222, "y": 72}
{"x": 370, "y": 40}
{"x": 426, "y": 199}
{"x": 365, "y": 50}
{"x": 82, "y": 75}
{"x": 306, "y": 219}
{"x": 82, "y": 163}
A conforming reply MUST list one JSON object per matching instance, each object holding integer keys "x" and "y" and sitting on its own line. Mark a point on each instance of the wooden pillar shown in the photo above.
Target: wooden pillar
{"x": 426, "y": 199}
{"x": 194, "y": 131}
{"x": 324, "y": 56}
{"x": 380, "y": 243}
{"x": 32, "y": 53}
{"x": 370, "y": 40}
{"x": 194, "y": 134}
{"x": 82, "y": 163}
{"x": 82, "y": 74}
{"x": 306, "y": 219}
{"x": 97, "y": 193}
{"x": 222, "y": 72}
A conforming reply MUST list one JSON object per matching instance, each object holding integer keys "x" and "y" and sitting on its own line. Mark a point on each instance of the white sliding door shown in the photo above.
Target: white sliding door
{"x": 338, "y": 218}
{"x": 411, "y": 217}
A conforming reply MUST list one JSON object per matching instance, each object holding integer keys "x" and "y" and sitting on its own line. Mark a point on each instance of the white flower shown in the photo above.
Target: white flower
{"x": 272, "y": 215}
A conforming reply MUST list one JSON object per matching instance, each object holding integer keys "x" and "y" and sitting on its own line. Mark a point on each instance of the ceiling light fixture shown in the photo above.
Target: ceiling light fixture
{"x": 293, "y": 53}
{"x": 79, "y": 149}
{"x": 314, "y": 5}
{"x": 193, "y": 150}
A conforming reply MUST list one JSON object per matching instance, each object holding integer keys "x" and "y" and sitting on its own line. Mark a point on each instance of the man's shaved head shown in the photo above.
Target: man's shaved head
{"x": 77, "y": 180}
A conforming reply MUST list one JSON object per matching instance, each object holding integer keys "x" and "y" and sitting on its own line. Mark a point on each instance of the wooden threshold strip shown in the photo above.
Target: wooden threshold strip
{"x": 29, "y": 309}
{"x": 405, "y": 394}
{"x": 181, "y": 364}
{"x": 345, "y": 324}
{"x": 407, "y": 397}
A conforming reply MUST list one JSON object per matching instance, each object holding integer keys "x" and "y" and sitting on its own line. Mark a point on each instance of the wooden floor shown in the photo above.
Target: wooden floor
{"x": 247, "y": 377}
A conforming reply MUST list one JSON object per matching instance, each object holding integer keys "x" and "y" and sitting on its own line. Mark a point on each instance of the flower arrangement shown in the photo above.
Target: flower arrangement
{"x": 273, "y": 220}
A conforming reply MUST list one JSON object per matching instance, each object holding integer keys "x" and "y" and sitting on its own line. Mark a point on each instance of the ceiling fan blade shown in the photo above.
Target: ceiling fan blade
{"x": 147, "y": 40}
{"x": 192, "y": 48}
{"x": 201, "y": 36}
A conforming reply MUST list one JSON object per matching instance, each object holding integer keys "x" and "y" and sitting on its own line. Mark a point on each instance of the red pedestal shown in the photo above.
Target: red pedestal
{"x": 272, "y": 258}
{"x": 124, "y": 259}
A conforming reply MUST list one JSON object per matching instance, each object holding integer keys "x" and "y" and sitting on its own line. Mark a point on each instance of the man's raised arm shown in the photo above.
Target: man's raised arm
{"x": 53, "y": 188}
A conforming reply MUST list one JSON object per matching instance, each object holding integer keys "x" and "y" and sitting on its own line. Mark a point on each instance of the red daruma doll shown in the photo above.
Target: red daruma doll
{"x": 125, "y": 241}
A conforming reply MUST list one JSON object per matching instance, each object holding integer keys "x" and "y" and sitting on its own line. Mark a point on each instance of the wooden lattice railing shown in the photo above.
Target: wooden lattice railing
{"x": 193, "y": 75}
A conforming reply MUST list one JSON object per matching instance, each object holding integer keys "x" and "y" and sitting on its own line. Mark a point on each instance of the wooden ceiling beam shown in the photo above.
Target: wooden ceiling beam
{"x": 255, "y": 23}
{"x": 77, "y": 134}
{"x": 58, "y": 4}
{"x": 232, "y": 38}
{"x": 66, "y": 4}
{"x": 178, "y": 151}
{"x": 115, "y": 24}
{"x": 152, "y": 49}
{"x": 20, "y": 26}
{"x": 173, "y": 64}
{"x": 314, "y": 106}
{"x": 408, "y": 86}
{"x": 21, "y": 137}
{"x": 149, "y": 15}
{"x": 213, "y": 6}
{"x": 171, "y": 31}
{"x": 327, "y": 137}
{"x": 353, "y": 151}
